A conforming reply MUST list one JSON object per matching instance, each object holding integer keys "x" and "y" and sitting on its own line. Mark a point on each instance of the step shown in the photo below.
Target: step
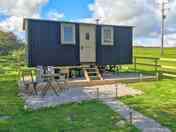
{"x": 91, "y": 71}
{"x": 91, "y": 68}
{"x": 94, "y": 78}
{"x": 89, "y": 74}
{"x": 93, "y": 75}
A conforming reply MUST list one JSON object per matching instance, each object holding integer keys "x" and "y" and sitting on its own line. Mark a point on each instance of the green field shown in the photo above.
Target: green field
{"x": 151, "y": 52}
{"x": 159, "y": 99}
{"x": 89, "y": 116}
{"x": 155, "y": 52}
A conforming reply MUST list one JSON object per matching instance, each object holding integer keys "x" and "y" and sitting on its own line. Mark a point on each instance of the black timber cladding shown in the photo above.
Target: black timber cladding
{"x": 45, "y": 48}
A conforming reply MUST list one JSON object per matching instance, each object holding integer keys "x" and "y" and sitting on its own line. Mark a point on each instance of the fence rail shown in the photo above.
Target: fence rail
{"x": 156, "y": 63}
{"x": 167, "y": 70}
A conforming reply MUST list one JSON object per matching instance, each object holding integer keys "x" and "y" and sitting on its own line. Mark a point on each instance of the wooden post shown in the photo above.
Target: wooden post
{"x": 157, "y": 76}
{"x": 140, "y": 76}
{"x": 116, "y": 91}
{"x": 97, "y": 93}
{"x": 156, "y": 65}
{"x": 130, "y": 115}
{"x": 135, "y": 64}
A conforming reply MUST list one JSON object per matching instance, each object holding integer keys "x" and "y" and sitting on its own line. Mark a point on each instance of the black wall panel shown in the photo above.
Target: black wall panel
{"x": 45, "y": 48}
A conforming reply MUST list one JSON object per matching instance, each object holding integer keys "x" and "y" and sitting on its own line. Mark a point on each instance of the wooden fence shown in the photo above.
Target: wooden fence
{"x": 168, "y": 70}
{"x": 157, "y": 64}
{"x": 154, "y": 62}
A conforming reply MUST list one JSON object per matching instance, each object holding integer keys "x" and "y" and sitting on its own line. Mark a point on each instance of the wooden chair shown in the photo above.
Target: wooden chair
{"x": 28, "y": 80}
{"x": 54, "y": 81}
{"x": 62, "y": 79}
{"x": 49, "y": 85}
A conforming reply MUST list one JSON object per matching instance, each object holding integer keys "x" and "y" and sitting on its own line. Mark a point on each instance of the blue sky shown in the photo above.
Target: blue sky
{"x": 72, "y": 9}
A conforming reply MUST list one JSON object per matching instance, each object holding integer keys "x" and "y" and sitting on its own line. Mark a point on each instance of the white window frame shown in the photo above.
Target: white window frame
{"x": 111, "y": 43}
{"x": 63, "y": 25}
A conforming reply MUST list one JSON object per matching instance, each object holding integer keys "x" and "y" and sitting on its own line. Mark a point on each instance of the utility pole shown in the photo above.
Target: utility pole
{"x": 164, "y": 7}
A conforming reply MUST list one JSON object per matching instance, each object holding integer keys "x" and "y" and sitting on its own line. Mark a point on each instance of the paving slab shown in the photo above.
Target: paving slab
{"x": 78, "y": 94}
{"x": 51, "y": 100}
{"x": 140, "y": 121}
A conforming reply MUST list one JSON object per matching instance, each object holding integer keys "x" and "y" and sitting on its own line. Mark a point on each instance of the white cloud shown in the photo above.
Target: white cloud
{"x": 127, "y": 12}
{"x": 143, "y": 14}
{"x": 171, "y": 40}
{"x": 55, "y": 15}
{"x": 15, "y": 11}
{"x": 12, "y": 23}
{"x": 20, "y": 8}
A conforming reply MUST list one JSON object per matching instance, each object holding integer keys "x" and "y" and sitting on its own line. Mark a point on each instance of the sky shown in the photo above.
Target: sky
{"x": 144, "y": 15}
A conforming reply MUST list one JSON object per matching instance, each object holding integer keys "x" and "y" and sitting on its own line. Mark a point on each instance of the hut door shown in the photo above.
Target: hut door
{"x": 87, "y": 44}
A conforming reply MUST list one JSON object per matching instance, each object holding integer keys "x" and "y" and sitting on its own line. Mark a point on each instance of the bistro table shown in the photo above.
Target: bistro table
{"x": 50, "y": 79}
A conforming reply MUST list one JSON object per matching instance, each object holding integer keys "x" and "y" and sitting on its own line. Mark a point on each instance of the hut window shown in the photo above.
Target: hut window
{"x": 107, "y": 35}
{"x": 67, "y": 33}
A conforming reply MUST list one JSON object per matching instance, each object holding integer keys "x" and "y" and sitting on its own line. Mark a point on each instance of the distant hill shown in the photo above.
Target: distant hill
{"x": 9, "y": 42}
{"x": 142, "y": 46}
{"x": 138, "y": 46}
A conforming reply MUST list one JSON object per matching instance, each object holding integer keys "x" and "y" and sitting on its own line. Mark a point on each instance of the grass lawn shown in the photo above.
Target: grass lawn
{"x": 89, "y": 116}
{"x": 159, "y": 99}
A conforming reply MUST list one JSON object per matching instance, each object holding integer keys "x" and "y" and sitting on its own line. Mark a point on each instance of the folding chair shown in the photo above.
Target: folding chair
{"x": 28, "y": 80}
{"x": 61, "y": 79}
{"x": 49, "y": 80}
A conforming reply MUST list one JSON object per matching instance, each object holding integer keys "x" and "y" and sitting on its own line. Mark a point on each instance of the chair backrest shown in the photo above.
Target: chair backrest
{"x": 51, "y": 70}
{"x": 40, "y": 72}
{"x": 64, "y": 71}
{"x": 61, "y": 74}
{"x": 27, "y": 76}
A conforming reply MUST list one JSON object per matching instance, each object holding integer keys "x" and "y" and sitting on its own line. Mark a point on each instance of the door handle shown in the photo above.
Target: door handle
{"x": 82, "y": 47}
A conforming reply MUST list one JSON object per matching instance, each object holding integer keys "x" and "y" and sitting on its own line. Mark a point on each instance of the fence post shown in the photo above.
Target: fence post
{"x": 116, "y": 91}
{"x": 130, "y": 115}
{"x": 157, "y": 76}
{"x": 140, "y": 76}
{"x": 97, "y": 93}
{"x": 135, "y": 64}
{"x": 156, "y": 65}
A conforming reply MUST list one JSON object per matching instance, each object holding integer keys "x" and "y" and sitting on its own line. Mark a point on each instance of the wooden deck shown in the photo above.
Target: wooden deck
{"x": 111, "y": 79}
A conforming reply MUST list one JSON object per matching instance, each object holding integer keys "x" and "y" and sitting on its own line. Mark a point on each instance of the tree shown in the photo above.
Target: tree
{"x": 9, "y": 42}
